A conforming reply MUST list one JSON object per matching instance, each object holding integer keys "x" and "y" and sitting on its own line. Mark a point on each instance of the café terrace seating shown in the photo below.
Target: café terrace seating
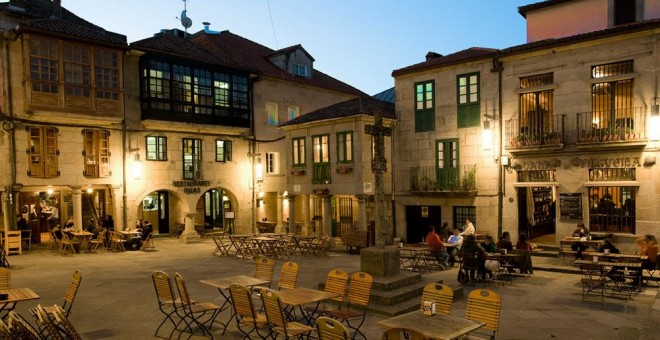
{"x": 442, "y": 295}
{"x": 288, "y": 276}
{"x": 335, "y": 282}
{"x": 21, "y": 328}
{"x": 331, "y": 329}
{"x": 277, "y": 320}
{"x": 194, "y": 312}
{"x": 355, "y": 308}
{"x": 69, "y": 297}
{"x": 167, "y": 303}
{"x": 485, "y": 306}
{"x": 246, "y": 315}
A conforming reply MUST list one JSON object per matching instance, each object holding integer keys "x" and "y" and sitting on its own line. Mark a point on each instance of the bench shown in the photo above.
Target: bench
{"x": 355, "y": 239}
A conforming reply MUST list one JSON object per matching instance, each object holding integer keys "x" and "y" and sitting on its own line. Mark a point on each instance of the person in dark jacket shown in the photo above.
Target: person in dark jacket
{"x": 470, "y": 247}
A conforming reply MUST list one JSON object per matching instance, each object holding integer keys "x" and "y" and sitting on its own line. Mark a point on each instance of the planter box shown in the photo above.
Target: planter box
{"x": 344, "y": 170}
{"x": 298, "y": 172}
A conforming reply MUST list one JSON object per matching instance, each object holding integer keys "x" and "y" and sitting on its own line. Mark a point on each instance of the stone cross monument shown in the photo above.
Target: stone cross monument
{"x": 378, "y": 167}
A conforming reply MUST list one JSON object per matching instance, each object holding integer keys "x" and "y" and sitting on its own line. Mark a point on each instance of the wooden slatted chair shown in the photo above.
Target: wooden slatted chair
{"x": 64, "y": 324}
{"x": 288, "y": 276}
{"x": 53, "y": 242}
{"x": 117, "y": 241}
{"x": 167, "y": 303}
{"x": 403, "y": 334}
{"x": 264, "y": 269}
{"x": 442, "y": 295}
{"x": 65, "y": 243}
{"x": 148, "y": 243}
{"x": 357, "y": 301}
{"x": 47, "y": 325}
{"x": 5, "y": 278}
{"x": 69, "y": 297}
{"x": 195, "y": 311}
{"x": 99, "y": 241}
{"x": 277, "y": 321}
{"x": 21, "y": 328}
{"x": 484, "y": 305}
{"x": 5, "y": 330}
{"x": 245, "y": 313}
{"x": 335, "y": 282}
{"x": 331, "y": 329}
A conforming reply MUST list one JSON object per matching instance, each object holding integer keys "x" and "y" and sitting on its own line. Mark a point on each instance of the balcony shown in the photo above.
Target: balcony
{"x": 460, "y": 181}
{"x": 527, "y": 135}
{"x": 603, "y": 129}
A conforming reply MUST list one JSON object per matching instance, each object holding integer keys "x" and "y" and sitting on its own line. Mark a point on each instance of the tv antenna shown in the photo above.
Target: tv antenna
{"x": 186, "y": 22}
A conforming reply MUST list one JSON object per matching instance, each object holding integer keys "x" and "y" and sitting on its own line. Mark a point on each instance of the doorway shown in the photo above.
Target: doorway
{"x": 216, "y": 203}
{"x": 155, "y": 209}
{"x": 536, "y": 213}
{"x": 418, "y": 220}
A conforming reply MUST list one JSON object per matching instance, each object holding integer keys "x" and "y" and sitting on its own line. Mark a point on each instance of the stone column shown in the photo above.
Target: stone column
{"x": 280, "y": 224}
{"x": 117, "y": 205}
{"x": 307, "y": 219}
{"x": 189, "y": 234}
{"x": 362, "y": 211}
{"x": 327, "y": 216}
{"x": 292, "y": 213}
{"x": 7, "y": 205}
{"x": 76, "y": 196}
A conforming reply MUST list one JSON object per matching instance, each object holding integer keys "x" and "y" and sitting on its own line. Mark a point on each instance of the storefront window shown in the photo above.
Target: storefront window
{"x": 612, "y": 208}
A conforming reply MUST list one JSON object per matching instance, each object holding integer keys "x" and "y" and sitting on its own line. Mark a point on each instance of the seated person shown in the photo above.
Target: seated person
{"x": 505, "y": 242}
{"x": 437, "y": 248}
{"x": 469, "y": 228}
{"x": 69, "y": 223}
{"x": 581, "y": 232}
{"x": 525, "y": 249}
{"x": 488, "y": 245}
{"x": 456, "y": 239}
{"x": 136, "y": 241}
{"x": 470, "y": 247}
{"x": 651, "y": 251}
{"x": 57, "y": 231}
{"x": 608, "y": 244}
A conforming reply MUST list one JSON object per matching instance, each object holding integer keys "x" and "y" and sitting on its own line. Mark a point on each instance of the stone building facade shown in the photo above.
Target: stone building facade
{"x": 562, "y": 130}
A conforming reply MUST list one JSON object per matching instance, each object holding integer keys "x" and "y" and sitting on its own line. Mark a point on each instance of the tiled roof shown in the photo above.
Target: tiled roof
{"x": 39, "y": 16}
{"x": 616, "y": 30}
{"x": 471, "y": 53}
{"x": 357, "y": 106}
{"x": 291, "y": 49}
{"x": 387, "y": 96}
{"x": 251, "y": 55}
{"x": 523, "y": 10}
{"x": 172, "y": 42}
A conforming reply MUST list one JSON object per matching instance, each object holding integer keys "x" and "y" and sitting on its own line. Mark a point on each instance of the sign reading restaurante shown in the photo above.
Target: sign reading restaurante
{"x": 191, "y": 186}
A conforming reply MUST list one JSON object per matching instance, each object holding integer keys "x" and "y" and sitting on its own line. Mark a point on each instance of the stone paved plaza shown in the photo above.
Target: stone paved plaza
{"x": 116, "y": 299}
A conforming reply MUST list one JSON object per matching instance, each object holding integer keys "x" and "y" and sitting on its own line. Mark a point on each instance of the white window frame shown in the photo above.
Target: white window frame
{"x": 272, "y": 163}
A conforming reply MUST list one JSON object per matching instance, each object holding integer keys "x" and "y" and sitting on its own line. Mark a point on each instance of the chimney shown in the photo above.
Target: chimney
{"x": 58, "y": 9}
{"x": 432, "y": 55}
{"x": 207, "y": 28}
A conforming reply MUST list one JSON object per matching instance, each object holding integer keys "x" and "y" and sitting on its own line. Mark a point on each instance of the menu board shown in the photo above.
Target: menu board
{"x": 570, "y": 206}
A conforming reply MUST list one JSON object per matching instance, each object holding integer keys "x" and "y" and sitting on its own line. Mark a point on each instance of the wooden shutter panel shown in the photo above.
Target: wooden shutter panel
{"x": 50, "y": 152}
{"x": 228, "y": 151}
{"x": 104, "y": 153}
{"x": 35, "y": 152}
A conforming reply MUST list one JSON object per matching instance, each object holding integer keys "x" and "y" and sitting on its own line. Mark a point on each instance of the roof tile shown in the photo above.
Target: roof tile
{"x": 362, "y": 105}
{"x": 458, "y": 57}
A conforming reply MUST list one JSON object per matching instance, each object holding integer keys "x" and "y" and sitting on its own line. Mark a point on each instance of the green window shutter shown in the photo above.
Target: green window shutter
{"x": 468, "y": 115}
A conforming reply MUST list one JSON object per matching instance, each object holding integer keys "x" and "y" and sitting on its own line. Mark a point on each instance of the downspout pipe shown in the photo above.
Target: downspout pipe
{"x": 499, "y": 67}
{"x": 10, "y": 211}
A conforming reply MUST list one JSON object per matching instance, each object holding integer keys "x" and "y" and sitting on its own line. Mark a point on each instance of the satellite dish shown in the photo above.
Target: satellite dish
{"x": 185, "y": 21}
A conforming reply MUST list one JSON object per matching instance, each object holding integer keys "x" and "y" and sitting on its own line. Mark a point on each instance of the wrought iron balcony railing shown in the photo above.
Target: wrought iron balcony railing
{"x": 627, "y": 124}
{"x": 432, "y": 179}
{"x": 548, "y": 130}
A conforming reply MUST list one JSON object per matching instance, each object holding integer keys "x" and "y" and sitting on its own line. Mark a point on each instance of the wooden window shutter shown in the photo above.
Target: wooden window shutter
{"x": 104, "y": 153}
{"x": 35, "y": 152}
{"x": 50, "y": 153}
{"x": 228, "y": 151}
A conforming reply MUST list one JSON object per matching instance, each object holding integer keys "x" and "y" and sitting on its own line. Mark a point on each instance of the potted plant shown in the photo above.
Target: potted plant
{"x": 552, "y": 137}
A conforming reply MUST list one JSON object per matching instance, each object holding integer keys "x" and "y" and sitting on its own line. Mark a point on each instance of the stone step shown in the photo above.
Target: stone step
{"x": 408, "y": 305}
{"x": 397, "y": 295}
{"x": 402, "y": 279}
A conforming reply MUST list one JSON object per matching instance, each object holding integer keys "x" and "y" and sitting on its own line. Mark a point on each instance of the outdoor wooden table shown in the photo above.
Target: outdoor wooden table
{"x": 300, "y": 238}
{"x": 221, "y": 248}
{"x": 412, "y": 255}
{"x": 634, "y": 268}
{"x": 15, "y": 295}
{"x": 222, "y": 284}
{"x": 265, "y": 246}
{"x": 588, "y": 243}
{"x": 242, "y": 245}
{"x": 299, "y": 296}
{"x": 618, "y": 257}
{"x": 83, "y": 237}
{"x": 128, "y": 233}
{"x": 438, "y": 326}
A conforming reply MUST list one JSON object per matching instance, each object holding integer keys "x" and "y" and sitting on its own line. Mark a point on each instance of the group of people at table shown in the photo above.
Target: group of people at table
{"x": 465, "y": 242}
{"x": 142, "y": 230}
{"x": 647, "y": 244}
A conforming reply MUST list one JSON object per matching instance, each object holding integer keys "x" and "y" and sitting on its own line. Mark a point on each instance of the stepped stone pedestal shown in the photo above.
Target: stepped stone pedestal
{"x": 380, "y": 262}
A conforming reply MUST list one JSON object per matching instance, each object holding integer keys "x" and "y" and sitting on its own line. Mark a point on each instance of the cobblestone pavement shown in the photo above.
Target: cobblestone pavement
{"x": 116, "y": 299}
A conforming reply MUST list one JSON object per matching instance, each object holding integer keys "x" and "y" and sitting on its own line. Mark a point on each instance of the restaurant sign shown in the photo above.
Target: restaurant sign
{"x": 191, "y": 186}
